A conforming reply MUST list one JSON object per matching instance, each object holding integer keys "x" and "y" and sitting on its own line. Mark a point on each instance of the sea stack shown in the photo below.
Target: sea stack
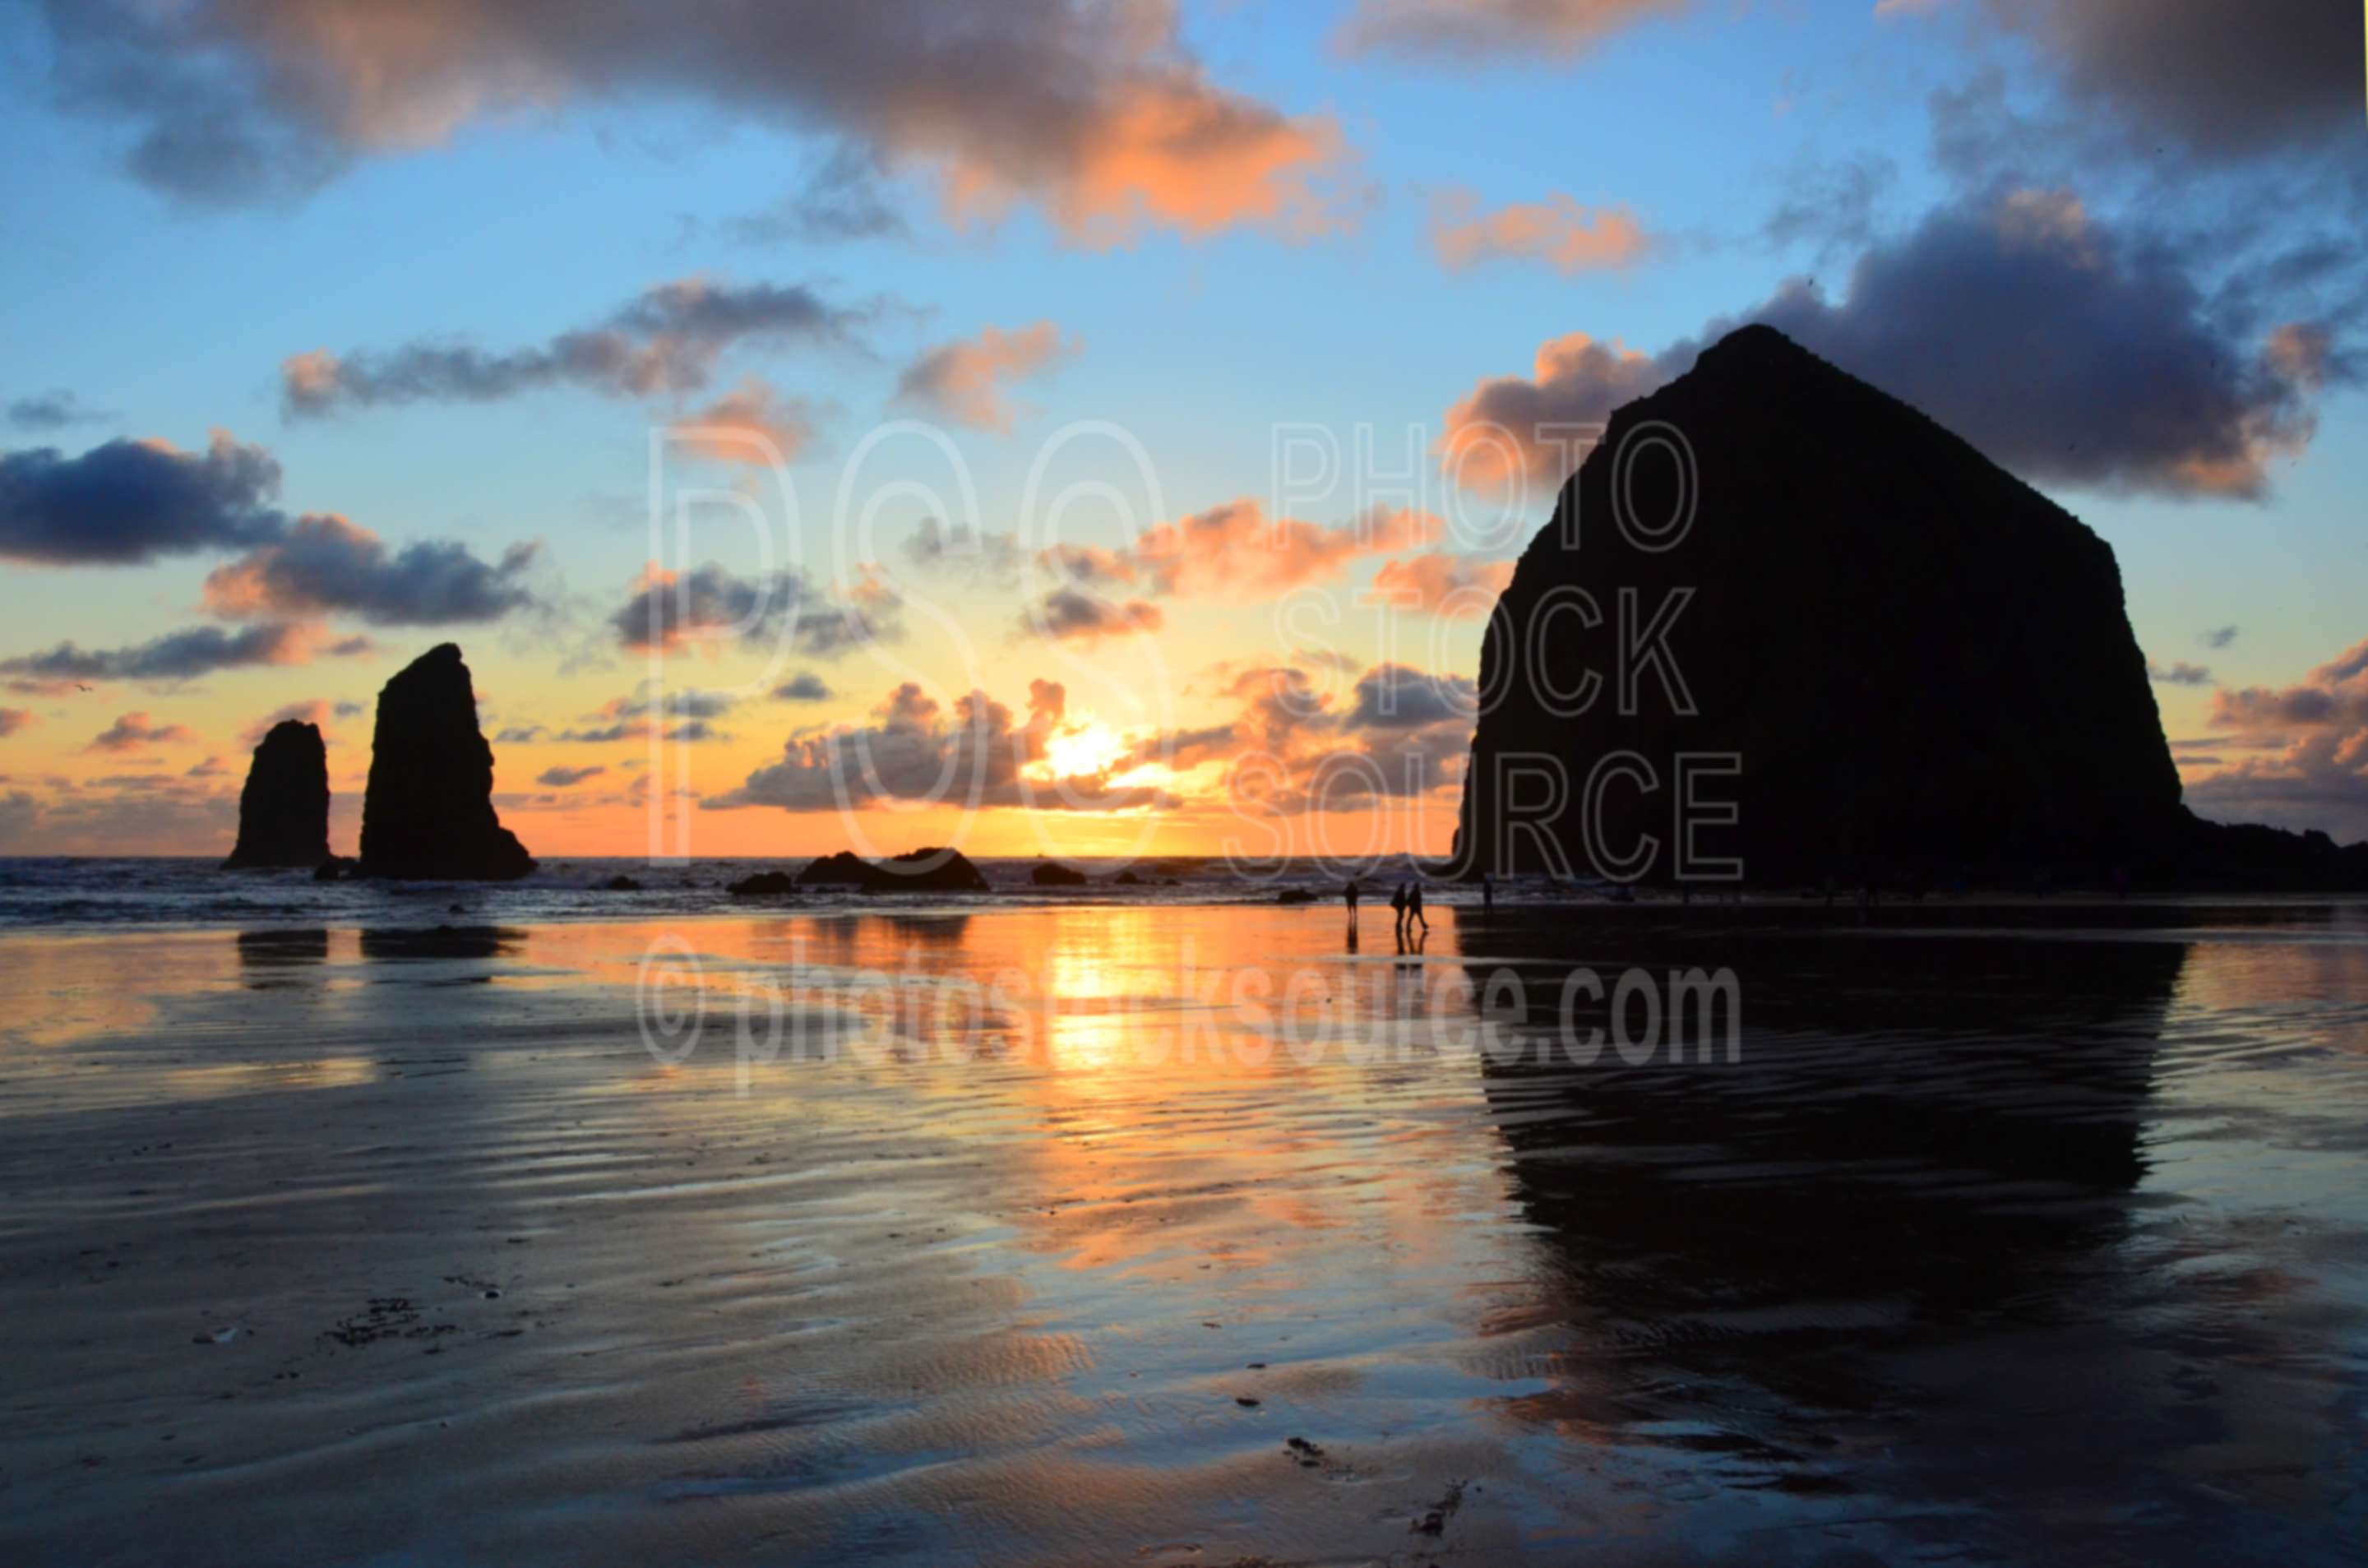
{"x": 283, "y": 812}
{"x": 1921, "y": 666}
{"x": 428, "y": 813}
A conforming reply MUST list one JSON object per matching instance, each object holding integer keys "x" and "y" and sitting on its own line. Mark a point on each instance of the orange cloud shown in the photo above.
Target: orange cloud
{"x": 1234, "y": 549}
{"x": 1558, "y": 232}
{"x": 753, "y": 423}
{"x": 1438, "y": 583}
{"x": 1510, "y": 431}
{"x": 964, "y": 379}
{"x": 1473, "y": 27}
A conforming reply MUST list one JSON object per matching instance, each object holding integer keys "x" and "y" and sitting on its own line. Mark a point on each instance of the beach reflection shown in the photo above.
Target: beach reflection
{"x": 2010, "y": 1244}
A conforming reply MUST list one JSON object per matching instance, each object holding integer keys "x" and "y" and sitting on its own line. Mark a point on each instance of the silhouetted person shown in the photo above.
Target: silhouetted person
{"x": 1487, "y": 891}
{"x": 1398, "y": 904}
{"x": 1414, "y": 909}
{"x": 1349, "y": 896}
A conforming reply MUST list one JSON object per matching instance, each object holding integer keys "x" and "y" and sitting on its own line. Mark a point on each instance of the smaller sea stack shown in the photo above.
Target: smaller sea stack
{"x": 428, "y": 814}
{"x": 283, "y": 812}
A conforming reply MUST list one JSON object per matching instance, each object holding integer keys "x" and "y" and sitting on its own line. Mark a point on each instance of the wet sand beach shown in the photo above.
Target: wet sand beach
{"x": 1179, "y": 1236}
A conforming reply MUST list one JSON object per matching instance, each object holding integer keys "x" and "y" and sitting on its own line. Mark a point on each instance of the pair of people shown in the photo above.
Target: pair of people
{"x": 1407, "y": 901}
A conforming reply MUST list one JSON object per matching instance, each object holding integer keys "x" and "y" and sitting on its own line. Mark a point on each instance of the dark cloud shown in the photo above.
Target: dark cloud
{"x": 129, "y": 502}
{"x": 2223, "y": 77}
{"x": 803, "y": 686}
{"x": 325, "y": 563}
{"x": 2179, "y": 673}
{"x": 1095, "y": 111}
{"x": 133, "y": 730}
{"x": 1076, "y": 615}
{"x": 710, "y": 602}
{"x": 2070, "y": 352}
{"x": 53, "y": 410}
{"x": 665, "y": 341}
{"x": 2220, "y": 636}
{"x": 563, "y": 777}
{"x": 997, "y": 558}
{"x": 973, "y": 756}
{"x": 1394, "y": 697}
{"x": 177, "y": 656}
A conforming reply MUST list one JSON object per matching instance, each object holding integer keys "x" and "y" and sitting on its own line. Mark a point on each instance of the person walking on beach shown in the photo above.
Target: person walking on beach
{"x": 1414, "y": 908}
{"x": 1348, "y": 897}
{"x": 1487, "y": 893}
{"x": 1398, "y": 904}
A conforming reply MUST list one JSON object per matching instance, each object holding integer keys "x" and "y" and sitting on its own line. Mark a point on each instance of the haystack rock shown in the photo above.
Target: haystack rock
{"x": 428, "y": 811}
{"x": 283, "y": 812}
{"x": 915, "y": 870}
{"x": 1921, "y": 664}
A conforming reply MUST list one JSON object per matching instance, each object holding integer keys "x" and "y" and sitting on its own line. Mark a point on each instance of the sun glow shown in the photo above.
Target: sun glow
{"x": 1083, "y": 750}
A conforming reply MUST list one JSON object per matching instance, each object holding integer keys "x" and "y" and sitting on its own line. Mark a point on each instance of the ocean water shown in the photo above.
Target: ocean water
{"x": 181, "y": 892}
{"x": 1185, "y": 1233}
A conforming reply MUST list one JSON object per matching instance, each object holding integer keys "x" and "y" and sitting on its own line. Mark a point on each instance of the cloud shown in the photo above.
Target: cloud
{"x": 1475, "y": 29}
{"x": 2179, "y": 673}
{"x": 841, "y": 200}
{"x": 1234, "y": 549}
{"x": 965, "y": 381}
{"x": 803, "y": 686}
{"x": 1512, "y": 430}
{"x": 126, "y": 503}
{"x": 1290, "y": 748}
{"x": 1557, "y": 230}
{"x": 917, "y": 751}
{"x": 2068, "y": 352}
{"x": 665, "y": 341}
{"x": 1096, "y": 112}
{"x": 2219, "y": 637}
{"x": 134, "y": 730}
{"x": 1077, "y": 616}
{"x": 176, "y": 655}
{"x": 15, "y": 719}
{"x": 210, "y": 767}
{"x": 996, "y": 558}
{"x": 1457, "y": 586}
{"x": 53, "y": 410}
{"x": 712, "y": 604}
{"x": 565, "y": 778}
{"x": 2308, "y": 745}
{"x": 752, "y": 424}
{"x": 326, "y": 563}
{"x": 2224, "y": 79}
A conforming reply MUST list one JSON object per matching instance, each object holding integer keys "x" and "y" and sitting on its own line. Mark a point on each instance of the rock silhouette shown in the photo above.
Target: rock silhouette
{"x": 428, "y": 813}
{"x": 915, "y": 870}
{"x": 1052, "y": 874}
{"x": 1923, "y": 664}
{"x": 283, "y": 810}
{"x": 764, "y": 884}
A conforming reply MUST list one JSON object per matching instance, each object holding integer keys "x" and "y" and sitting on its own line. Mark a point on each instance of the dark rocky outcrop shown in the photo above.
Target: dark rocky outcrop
{"x": 335, "y": 867}
{"x": 620, "y": 884}
{"x": 1126, "y": 880}
{"x": 1923, "y": 664}
{"x": 283, "y": 812}
{"x": 915, "y": 870}
{"x": 764, "y": 884}
{"x": 429, "y": 811}
{"x": 1052, "y": 874}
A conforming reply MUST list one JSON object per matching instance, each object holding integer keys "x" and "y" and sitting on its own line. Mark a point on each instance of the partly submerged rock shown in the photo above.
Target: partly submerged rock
{"x": 335, "y": 868}
{"x": 915, "y": 870}
{"x": 764, "y": 884}
{"x": 1052, "y": 874}
{"x": 283, "y": 812}
{"x": 429, "y": 811}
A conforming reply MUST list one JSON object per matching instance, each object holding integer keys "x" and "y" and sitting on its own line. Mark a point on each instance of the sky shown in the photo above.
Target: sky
{"x": 1069, "y": 427}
